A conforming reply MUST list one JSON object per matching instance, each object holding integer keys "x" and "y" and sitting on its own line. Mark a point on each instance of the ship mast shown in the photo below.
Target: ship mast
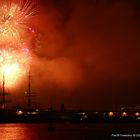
{"x": 3, "y": 91}
{"x": 3, "y": 83}
{"x": 29, "y": 91}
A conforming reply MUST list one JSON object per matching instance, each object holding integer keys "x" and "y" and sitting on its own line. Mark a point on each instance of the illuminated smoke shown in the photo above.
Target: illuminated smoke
{"x": 97, "y": 42}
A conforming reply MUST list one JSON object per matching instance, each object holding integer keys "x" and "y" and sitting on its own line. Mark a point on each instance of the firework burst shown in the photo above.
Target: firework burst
{"x": 14, "y": 19}
{"x": 14, "y": 64}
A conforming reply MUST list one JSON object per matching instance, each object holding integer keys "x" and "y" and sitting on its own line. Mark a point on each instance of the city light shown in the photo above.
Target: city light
{"x": 110, "y": 114}
{"x": 20, "y": 112}
{"x": 137, "y": 114}
{"x": 124, "y": 114}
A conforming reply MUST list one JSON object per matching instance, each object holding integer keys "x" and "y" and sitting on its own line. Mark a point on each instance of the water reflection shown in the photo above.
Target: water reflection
{"x": 64, "y": 131}
{"x": 19, "y": 132}
{"x": 10, "y": 132}
{"x": 39, "y": 132}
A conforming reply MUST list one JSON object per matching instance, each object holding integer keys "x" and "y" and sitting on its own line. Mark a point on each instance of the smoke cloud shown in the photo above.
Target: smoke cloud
{"x": 86, "y": 53}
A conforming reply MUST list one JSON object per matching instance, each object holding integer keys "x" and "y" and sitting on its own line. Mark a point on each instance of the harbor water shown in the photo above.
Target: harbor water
{"x": 69, "y": 131}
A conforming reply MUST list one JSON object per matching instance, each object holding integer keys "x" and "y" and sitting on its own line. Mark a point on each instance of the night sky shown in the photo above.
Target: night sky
{"x": 87, "y": 54}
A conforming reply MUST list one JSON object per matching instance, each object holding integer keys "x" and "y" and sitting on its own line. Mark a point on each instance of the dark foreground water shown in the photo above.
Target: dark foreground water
{"x": 67, "y": 131}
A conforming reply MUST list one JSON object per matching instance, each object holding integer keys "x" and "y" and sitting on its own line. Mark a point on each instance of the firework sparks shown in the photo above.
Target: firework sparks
{"x": 14, "y": 64}
{"x": 14, "y": 18}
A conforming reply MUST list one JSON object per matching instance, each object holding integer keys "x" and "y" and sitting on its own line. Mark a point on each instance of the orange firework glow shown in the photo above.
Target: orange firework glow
{"x": 14, "y": 53}
{"x": 14, "y": 18}
{"x": 14, "y": 64}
